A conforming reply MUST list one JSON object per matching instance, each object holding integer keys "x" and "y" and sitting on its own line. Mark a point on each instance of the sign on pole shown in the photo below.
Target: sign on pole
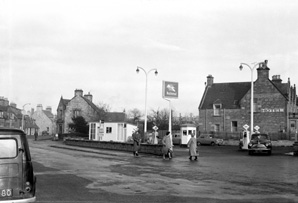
{"x": 170, "y": 90}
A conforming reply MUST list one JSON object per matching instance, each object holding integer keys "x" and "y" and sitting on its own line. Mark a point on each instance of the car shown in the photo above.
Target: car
{"x": 17, "y": 179}
{"x": 260, "y": 143}
{"x": 208, "y": 139}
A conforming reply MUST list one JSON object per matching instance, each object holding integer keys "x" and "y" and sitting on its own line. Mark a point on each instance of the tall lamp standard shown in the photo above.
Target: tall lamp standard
{"x": 251, "y": 93}
{"x": 23, "y": 115}
{"x": 146, "y": 73}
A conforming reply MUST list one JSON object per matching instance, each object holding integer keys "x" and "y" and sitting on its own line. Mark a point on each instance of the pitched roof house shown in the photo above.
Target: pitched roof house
{"x": 82, "y": 105}
{"x": 225, "y": 107}
{"x": 44, "y": 119}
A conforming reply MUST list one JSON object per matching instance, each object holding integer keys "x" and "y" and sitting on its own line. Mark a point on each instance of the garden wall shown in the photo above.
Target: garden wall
{"x": 117, "y": 146}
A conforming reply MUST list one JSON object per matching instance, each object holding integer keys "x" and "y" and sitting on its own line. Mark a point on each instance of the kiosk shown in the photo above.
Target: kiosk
{"x": 186, "y": 130}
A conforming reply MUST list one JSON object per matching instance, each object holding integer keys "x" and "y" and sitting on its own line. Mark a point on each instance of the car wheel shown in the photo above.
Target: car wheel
{"x": 212, "y": 143}
{"x": 198, "y": 143}
{"x": 269, "y": 152}
{"x": 250, "y": 152}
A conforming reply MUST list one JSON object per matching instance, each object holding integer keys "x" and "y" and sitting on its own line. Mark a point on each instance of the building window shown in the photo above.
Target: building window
{"x": 1, "y": 114}
{"x": 216, "y": 127}
{"x": 216, "y": 109}
{"x": 92, "y": 132}
{"x": 109, "y": 130}
{"x": 234, "y": 127}
{"x": 76, "y": 113}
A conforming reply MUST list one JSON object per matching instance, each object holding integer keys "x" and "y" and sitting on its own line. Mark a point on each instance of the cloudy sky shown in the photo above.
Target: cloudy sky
{"x": 50, "y": 48}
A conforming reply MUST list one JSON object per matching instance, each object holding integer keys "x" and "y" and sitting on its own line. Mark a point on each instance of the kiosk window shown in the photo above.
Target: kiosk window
{"x": 184, "y": 132}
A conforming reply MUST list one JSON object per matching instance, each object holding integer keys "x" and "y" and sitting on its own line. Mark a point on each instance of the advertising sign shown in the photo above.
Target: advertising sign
{"x": 170, "y": 90}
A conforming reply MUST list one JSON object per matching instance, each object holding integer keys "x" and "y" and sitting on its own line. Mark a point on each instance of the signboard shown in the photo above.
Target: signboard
{"x": 246, "y": 126}
{"x": 170, "y": 90}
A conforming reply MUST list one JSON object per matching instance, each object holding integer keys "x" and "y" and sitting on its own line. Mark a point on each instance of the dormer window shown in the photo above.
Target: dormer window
{"x": 216, "y": 109}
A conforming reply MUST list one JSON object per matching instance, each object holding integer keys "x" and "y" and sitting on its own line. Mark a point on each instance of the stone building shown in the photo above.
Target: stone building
{"x": 10, "y": 115}
{"x": 45, "y": 120}
{"x": 225, "y": 107}
{"x": 79, "y": 105}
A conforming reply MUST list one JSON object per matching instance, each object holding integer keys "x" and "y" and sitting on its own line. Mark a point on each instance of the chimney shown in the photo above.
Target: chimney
{"x": 88, "y": 96}
{"x": 276, "y": 79}
{"x": 263, "y": 70}
{"x": 12, "y": 104}
{"x": 78, "y": 92}
{"x": 49, "y": 109}
{"x": 209, "y": 80}
{"x": 39, "y": 107}
{"x": 4, "y": 101}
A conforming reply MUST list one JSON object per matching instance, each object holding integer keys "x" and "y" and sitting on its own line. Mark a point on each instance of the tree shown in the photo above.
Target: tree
{"x": 135, "y": 115}
{"x": 103, "y": 109}
{"x": 79, "y": 125}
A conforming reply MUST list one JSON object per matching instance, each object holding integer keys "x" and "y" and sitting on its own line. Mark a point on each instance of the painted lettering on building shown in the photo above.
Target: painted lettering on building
{"x": 274, "y": 110}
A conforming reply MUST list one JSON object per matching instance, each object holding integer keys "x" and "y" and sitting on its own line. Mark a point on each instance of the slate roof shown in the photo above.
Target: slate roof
{"x": 116, "y": 117}
{"x": 48, "y": 114}
{"x": 228, "y": 94}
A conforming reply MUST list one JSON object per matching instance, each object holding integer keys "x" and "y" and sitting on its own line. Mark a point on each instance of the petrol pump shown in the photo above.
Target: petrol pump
{"x": 246, "y": 136}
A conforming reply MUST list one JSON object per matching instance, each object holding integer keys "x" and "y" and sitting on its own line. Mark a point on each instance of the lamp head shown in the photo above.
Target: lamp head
{"x": 156, "y": 72}
{"x": 138, "y": 70}
{"x": 240, "y": 67}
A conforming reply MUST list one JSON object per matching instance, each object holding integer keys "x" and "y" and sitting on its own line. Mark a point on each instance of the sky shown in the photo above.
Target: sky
{"x": 50, "y": 48}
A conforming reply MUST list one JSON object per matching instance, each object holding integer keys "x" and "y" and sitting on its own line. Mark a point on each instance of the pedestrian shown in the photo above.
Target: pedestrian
{"x": 167, "y": 148}
{"x": 35, "y": 135}
{"x": 136, "y": 142}
{"x": 192, "y": 144}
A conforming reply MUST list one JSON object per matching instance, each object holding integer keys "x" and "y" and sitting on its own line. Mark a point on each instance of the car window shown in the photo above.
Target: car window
{"x": 8, "y": 148}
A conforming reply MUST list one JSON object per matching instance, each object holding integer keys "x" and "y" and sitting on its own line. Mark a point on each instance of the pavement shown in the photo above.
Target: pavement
{"x": 47, "y": 140}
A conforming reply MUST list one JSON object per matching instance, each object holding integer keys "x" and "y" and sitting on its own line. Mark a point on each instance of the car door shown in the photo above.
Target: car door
{"x": 11, "y": 168}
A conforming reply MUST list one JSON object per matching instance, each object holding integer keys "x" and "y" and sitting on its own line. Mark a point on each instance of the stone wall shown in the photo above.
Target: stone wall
{"x": 118, "y": 146}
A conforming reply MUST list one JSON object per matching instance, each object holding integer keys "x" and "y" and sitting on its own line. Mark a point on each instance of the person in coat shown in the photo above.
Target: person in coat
{"x": 167, "y": 148}
{"x": 136, "y": 142}
{"x": 192, "y": 144}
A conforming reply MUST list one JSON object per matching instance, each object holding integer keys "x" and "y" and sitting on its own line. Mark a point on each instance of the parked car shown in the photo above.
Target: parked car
{"x": 260, "y": 143}
{"x": 209, "y": 140}
{"x": 17, "y": 179}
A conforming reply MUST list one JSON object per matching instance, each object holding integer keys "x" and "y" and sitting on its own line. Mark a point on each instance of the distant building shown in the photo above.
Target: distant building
{"x": 10, "y": 115}
{"x": 45, "y": 120}
{"x": 225, "y": 107}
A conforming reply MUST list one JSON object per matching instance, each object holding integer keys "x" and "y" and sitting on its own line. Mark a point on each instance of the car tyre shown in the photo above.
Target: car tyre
{"x": 269, "y": 152}
{"x": 212, "y": 143}
{"x": 250, "y": 152}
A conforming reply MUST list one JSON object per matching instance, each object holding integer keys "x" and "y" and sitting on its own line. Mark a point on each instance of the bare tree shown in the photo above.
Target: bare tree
{"x": 135, "y": 115}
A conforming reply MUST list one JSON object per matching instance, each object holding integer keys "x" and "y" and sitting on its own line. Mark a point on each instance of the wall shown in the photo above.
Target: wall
{"x": 120, "y": 146}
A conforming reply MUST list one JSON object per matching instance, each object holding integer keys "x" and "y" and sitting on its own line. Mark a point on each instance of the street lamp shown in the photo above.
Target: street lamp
{"x": 23, "y": 115}
{"x": 146, "y": 73}
{"x": 251, "y": 92}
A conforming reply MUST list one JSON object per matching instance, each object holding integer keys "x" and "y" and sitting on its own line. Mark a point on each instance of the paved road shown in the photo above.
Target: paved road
{"x": 222, "y": 174}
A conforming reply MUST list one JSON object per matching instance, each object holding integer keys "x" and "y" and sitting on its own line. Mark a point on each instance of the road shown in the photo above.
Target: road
{"x": 222, "y": 174}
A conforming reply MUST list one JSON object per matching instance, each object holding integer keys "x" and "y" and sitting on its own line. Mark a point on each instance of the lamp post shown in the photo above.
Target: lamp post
{"x": 23, "y": 115}
{"x": 146, "y": 73}
{"x": 251, "y": 93}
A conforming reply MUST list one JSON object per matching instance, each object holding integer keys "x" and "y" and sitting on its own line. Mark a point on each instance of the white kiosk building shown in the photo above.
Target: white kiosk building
{"x": 186, "y": 130}
{"x": 110, "y": 131}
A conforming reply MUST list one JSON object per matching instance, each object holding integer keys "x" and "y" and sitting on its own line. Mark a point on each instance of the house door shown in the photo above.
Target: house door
{"x": 120, "y": 134}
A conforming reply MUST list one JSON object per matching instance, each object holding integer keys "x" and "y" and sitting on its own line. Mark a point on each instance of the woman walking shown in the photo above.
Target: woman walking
{"x": 167, "y": 148}
{"x": 192, "y": 144}
{"x": 136, "y": 142}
